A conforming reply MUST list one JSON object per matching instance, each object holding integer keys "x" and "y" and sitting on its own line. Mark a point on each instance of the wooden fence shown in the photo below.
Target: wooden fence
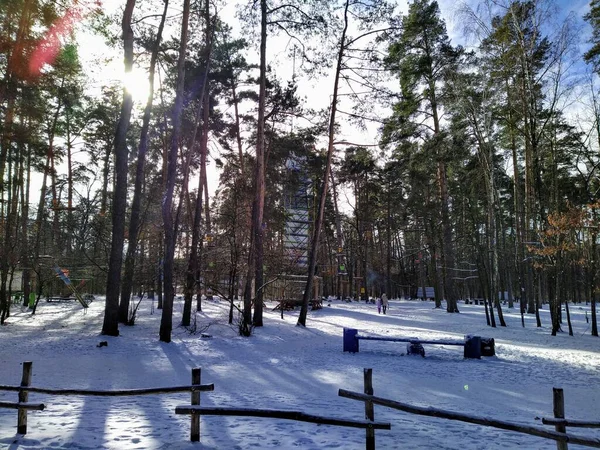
{"x": 559, "y": 421}
{"x": 194, "y": 410}
{"x": 560, "y": 435}
{"x": 25, "y": 387}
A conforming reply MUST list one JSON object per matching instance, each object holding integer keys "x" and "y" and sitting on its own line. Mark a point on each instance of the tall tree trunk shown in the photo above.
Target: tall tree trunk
{"x": 593, "y": 285}
{"x": 247, "y": 316}
{"x": 6, "y": 249}
{"x": 159, "y": 272}
{"x": 367, "y": 234}
{"x": 537, "y": 300}
{"x": 105, "y": 178}
{"x": 24, "y": 227}
{"x": 193, "y": 268}
{"x": 135, "y": 220}
{"x": 206, "y": 194}
{"x": 113, "y": 284}
{"x": 5, "y": 145}
{"x": 238, "y": 134}
{"x": 494, "y": 250}
{"x": 259, "y": 195}
{"x": 14, "y": 68}
{"x": 166, "y": 323}
{"x": 518, "y": 214}
{"x": 340, "y": 251}
{"x": 388, "y": 238}
{"x": 312, "y": 257}
{"x": 493, "y": 242}
{"x": 447, "y": 244}
{"x": 56, "y": 237}
{"x": 70, "y": 228}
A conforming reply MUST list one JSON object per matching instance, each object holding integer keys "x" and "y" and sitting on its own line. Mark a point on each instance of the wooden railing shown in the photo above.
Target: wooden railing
{"x": 559, "y": 421}
{"x": 194, "y": 410}
{"x": 560, "y": 436}
{"x": 25, "y": 388}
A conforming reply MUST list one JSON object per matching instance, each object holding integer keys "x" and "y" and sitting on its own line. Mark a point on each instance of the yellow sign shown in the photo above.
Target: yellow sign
{"x": 362, "y": 290}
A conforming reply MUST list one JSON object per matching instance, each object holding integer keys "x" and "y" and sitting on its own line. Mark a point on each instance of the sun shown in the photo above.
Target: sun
{"x": 136, "y": 83}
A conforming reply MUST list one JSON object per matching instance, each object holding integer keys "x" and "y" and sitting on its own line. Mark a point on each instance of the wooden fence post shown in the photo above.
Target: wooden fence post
{"x": 369, "y": 409}
{"x": 23, "y": 397}
{"x": 195, "y": 418}
{"x": 558, "y": 403}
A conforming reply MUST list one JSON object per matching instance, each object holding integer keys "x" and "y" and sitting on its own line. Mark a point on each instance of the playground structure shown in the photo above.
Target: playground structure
{"x": 50, "y": 279}
{"x": 63, "y": 276}
{"x": 46, "y": 279}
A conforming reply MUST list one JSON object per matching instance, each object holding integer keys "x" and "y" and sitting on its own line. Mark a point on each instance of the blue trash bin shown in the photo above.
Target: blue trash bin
{"x": 350, "y": 340}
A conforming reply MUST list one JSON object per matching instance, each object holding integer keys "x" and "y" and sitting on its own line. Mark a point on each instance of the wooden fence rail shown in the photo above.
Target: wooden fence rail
{"x": 27, "y": 406}
{"x": 25, "y": 388}
{"x": 297, "y": 416}
{"x": 571, "y": 423}
{"x": 194, "y": 389}
{"x": 559, "y": 437}
{"x": 559, "y": 421}
{"x": 194, "y": 410}
{"x": 369, "y": 425}
{"x": 113, "y": 393}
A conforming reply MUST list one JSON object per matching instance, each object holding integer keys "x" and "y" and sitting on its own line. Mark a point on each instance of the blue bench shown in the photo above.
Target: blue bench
{"x": 474, "y": 346}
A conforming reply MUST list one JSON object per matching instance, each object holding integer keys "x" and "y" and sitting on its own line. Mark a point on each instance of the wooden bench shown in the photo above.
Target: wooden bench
{"x": 317, "y": 303}
{"x": 474, "y": 346}
{"x": 60, "y": 299}
{"x": 287, "y": 305}
{"x": 291, "y": 304}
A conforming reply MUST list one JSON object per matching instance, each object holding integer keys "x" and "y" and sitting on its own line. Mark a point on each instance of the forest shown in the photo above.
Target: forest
{"x": 249, "y": 169}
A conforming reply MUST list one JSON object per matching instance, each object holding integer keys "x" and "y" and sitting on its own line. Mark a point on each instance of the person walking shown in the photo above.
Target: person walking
{"x": 379, "y": 306}
{"x": 384, "y": 302}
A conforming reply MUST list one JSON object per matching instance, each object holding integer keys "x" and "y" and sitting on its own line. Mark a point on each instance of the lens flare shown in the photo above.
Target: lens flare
{"x": 51, "y": 42}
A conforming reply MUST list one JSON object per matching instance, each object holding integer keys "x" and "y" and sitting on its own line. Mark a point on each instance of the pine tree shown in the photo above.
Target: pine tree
{"x": 423, "y": 59}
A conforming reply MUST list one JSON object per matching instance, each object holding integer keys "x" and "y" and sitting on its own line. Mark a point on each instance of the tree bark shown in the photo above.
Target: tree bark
{"x": 24, "y": 227}
{"x": 111, "y": 310}
{"x": 135, "y": 220}
{"x": 259, "y": 198}
{"x": 593, "y": 269}
{"x": 340, "y": 251}
{"x": 193, "y": 268}
{"x": 166, "y": 323}
{"x": 312, "y": 257}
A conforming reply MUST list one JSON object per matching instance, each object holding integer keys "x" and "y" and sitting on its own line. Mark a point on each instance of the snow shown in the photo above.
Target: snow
{"x": 283, "y": 366}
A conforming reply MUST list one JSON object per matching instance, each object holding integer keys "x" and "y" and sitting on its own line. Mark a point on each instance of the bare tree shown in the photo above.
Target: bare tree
{"x": 368, "y": 15}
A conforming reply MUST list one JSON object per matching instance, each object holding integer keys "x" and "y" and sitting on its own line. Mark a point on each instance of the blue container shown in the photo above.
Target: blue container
{"x": 350, "y": 340}
{"x": 472, "y": 347}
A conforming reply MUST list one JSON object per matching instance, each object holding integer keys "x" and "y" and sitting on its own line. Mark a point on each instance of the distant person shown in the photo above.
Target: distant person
{"x": 379, "y": 306}
{"x": 384, "y": 302}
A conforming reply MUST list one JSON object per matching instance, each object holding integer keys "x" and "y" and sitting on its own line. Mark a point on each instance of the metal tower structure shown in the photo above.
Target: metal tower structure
{"x": 298, "y": 222}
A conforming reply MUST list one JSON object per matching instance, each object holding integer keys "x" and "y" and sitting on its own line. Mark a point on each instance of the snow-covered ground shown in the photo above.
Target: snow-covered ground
{"x": 286, "y": 367}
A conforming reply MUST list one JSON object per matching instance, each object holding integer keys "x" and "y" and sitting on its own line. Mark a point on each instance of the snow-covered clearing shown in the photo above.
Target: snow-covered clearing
{"x": 286, "y": 367}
